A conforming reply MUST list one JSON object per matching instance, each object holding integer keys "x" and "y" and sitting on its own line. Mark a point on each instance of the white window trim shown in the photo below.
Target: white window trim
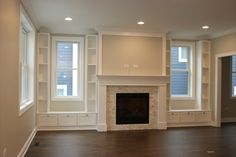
{"x": 192, "y": 69}
{"x": 27, "y": 24}
{"x": 80, "y": 40}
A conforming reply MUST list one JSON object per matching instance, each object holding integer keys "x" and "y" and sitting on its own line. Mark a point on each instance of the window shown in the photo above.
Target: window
{"x": 233, "y": 76}
{"x": 26, "y": 62}
{"x": 24, "y": 66}
{"x": 67, "y": 69}
{"x": 182, "y": 75}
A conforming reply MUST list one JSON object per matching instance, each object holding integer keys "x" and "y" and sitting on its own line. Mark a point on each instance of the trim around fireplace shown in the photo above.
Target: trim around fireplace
{"x": 160, "y": 82}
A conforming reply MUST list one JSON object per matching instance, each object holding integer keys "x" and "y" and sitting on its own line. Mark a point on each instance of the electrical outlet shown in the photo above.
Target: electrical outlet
{"x": 4, "y": 152}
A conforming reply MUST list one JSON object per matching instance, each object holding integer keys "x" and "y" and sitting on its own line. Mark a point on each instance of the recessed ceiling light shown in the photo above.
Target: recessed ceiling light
{"x": 68, "y": 19}
{"x": 140, "y": 23}
{"x": 205, "y": 27}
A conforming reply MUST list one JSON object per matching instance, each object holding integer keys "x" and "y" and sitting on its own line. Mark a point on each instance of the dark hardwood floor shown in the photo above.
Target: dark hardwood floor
{"x": 175, "y": 142}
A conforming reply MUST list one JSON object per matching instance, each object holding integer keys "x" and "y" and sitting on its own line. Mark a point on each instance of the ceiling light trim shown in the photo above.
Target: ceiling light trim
{"x": 140, "y": 23}
{"x": 205, "y": 27}
{"x": 68, "y": 18}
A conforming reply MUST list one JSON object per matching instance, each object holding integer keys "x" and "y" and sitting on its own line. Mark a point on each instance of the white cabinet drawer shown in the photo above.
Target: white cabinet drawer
{"x": 47, "y": 120}
{"x": 173, "y": 117}
{"x": 187, "y": 117}
{"x": 67, "y": 119}
{"x": 203, "y": 116}
{"x": 87, "y": 119}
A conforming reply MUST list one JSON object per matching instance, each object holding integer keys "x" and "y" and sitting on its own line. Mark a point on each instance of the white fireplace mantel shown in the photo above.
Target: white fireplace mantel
{"x": 127, "y": 80}
{"x": 132, "y": 80}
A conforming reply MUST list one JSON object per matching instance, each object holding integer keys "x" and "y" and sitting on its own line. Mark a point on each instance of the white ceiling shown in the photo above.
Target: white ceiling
{"x": 179, "y": 18}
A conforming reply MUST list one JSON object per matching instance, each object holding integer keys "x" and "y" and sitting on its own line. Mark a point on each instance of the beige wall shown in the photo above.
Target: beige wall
{"x": 228, "y": 109}
{"x": 146, "y": 52}
{"x": 220, "y": 45}
{"x": 14, "y": 130}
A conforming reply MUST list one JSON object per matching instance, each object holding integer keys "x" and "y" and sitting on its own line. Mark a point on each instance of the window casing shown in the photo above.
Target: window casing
{"x": 26, "y": 62}
{"x": 67, "y": 68}
{"x": 182, "y": 70}
{"x": 233, "y": 76}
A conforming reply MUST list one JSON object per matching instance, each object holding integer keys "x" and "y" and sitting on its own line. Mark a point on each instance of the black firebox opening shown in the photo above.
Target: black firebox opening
{"x": 132, "y": 108}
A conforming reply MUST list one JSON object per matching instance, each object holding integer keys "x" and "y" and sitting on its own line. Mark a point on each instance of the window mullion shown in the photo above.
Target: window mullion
{"x": 180, "y": 70}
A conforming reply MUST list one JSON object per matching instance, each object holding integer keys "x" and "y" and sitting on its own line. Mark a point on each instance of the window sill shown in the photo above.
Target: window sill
{"x": 233, "y": 97}
{"x": 182, "y": 98}
{"x": 66, "y": 99}
{"x": 25, "y": 107}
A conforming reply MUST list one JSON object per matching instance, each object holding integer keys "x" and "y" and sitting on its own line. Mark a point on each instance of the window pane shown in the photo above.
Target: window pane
{"x": 67, "y": 82}
{"x": 233, "y": 84}
{"x": 23, "y": 60}
{"x": 23, "y": 46}
{"x": 184, "y": 54}
{"x": 233, "y": 75}
{"x": 23, "y": 84}
{"x": 179, "y": 83}
{"x": 176, "y": 60}
{"x": 233, "y": 63}
{"x": 67, "y": 55}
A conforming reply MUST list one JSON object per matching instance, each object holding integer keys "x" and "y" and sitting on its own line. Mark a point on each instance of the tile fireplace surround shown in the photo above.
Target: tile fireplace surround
{"x": 109, "y": 85}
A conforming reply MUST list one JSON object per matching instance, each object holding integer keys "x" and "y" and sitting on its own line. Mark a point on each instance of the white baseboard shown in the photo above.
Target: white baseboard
{"x": 102, "y": 127}
{"x": 63, "y": 128}
{"x": 215, "y": 124}
{"x": 162, "y": 125}
{"x": 27, "y": 144}
{"x": 189, "y": 124}
{"x": 228, "y": 120}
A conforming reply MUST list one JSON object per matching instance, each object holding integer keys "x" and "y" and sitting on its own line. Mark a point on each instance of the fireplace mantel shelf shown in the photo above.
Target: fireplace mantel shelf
{"x": 133, "y": 80}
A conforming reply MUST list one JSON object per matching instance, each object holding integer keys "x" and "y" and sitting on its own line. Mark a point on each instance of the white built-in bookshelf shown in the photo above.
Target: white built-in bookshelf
{"x": 46, "y": 119}
{"x": 91, "y": 72}
{"x": 43, "y": 72}
{"x": 203, "y": 74}
{"x": 201, "y": 115}
{"x": 168, "y": 70}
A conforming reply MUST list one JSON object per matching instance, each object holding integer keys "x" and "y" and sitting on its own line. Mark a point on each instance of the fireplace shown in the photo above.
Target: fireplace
{"x": 108, "y": 88}
{"x": 132, "y": 108}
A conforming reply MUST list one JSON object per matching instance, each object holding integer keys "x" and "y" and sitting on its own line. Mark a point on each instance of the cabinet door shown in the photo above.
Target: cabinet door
{"x": 203, "y": 116}
{"x": 67, "y": 120}
{"x": 187, "y": 117}
{"x": 173, "y": 117}
{"x": 47, "y": 120}
{"x": 87, "y": 119}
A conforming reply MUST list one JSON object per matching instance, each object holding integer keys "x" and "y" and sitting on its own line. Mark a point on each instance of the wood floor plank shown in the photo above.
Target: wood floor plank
{"x": 174, "y": 142}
